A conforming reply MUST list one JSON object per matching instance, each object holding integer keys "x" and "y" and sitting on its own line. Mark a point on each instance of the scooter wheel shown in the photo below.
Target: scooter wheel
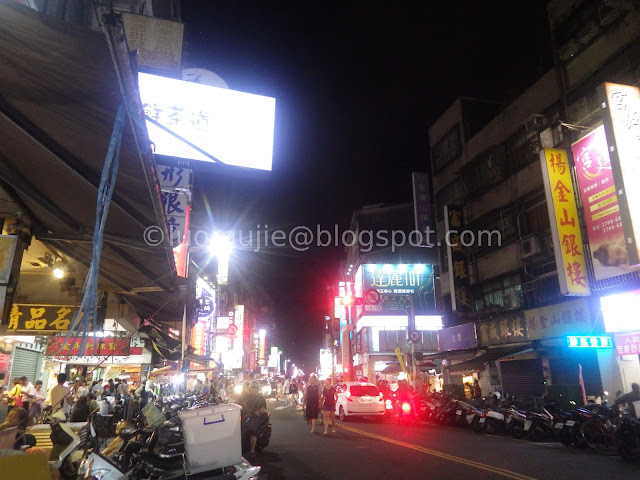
{"x": 536, "y": 434}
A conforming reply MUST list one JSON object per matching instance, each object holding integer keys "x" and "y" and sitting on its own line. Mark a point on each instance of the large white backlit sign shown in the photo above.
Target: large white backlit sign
{"x": 619, "y": 311}
{"x": 236, "y": 128}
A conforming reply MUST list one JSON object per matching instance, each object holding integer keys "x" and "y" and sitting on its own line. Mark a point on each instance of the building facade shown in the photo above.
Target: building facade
{"x": 489, "y": 181}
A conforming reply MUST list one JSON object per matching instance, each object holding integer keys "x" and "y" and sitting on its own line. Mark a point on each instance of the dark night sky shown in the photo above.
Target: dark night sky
{"x": 356, "y": 85}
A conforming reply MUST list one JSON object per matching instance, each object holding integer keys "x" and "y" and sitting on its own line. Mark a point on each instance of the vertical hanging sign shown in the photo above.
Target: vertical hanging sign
{"x": 621, "y": 117}
{"x": 565, "y": 225}
{"x": 458, "y": 265}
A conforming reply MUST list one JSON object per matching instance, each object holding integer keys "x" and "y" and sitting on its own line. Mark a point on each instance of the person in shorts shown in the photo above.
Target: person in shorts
{"x": 329, "y": 405}
{"x": 311, "y": 402}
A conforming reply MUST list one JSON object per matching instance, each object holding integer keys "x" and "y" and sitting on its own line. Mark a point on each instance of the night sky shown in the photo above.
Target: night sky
{"x": 357, "y": 85}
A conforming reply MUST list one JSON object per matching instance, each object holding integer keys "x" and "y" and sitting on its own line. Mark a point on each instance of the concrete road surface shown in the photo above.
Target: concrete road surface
{"x": 371, "y": 450}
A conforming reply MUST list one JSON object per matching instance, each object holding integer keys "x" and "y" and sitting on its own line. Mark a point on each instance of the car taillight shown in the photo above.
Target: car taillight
{"x": 406, "y": 407}
{"x": 389, "y": 404}
{"x": 348, "y": 395}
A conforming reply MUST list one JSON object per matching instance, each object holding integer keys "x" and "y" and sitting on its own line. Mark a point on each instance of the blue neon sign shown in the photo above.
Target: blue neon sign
{"x": 589, "y": 341}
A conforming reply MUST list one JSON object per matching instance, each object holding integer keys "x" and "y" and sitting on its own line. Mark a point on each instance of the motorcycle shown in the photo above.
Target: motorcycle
{"x": 262, "y": 428}
{"x": 628, "y": 437}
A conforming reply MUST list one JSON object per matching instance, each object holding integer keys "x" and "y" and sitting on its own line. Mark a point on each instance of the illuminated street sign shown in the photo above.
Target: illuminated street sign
{"x": 589, "y": 341}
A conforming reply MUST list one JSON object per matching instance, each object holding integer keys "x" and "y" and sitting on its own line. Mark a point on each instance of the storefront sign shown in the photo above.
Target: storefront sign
{"x": 565, "y": 225}
{"x": 558, "y": 320}
{"x": 458, "y": 337}
{"x": 600, "y": 205}
{"x": 589, "y": 341}
{"x": 158, "y": 42}
{"x": 40, "y": 318}
{"x": 421, "y": 202}
{"x": 173, "y": 178}
{"x": 618, "y": 311}
{"x": 98, "y": 346}
{"x": 627, "y": 343}
{"x": 621, "y": 116}
{"x": 507, "y": 328}
{"x": 395, "y": 283}
{"x": 458, "y": 265}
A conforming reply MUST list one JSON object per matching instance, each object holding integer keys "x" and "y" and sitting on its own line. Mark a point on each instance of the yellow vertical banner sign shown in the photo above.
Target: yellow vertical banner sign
{"x": 401, "y": 359}
{"x": 565, "y": 225}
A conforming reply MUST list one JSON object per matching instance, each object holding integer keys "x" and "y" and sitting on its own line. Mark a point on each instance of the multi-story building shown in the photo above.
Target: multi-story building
{"x": 394, "y": 271}
{"x": 491, "y": 179}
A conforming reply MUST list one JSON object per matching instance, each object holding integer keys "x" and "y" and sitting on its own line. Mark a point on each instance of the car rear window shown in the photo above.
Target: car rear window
{"x": 366, "y": 390}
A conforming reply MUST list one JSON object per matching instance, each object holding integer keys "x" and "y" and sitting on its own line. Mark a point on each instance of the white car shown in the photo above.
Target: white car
{"x": 358, "y": 399}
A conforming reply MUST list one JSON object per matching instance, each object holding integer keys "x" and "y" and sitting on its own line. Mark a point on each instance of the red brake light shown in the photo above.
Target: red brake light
{"x": 406, "y": 407}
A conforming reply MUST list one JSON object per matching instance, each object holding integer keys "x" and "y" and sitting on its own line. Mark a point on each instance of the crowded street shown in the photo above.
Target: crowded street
{"x": 368, "y": 449}
{"x": 304, "y": 240}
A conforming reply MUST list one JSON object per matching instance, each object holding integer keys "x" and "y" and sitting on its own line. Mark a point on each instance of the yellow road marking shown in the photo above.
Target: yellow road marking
{"x": 435, "y": 453}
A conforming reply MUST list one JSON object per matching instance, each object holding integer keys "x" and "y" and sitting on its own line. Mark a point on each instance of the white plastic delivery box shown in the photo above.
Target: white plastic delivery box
{"x": 212, "y": 437}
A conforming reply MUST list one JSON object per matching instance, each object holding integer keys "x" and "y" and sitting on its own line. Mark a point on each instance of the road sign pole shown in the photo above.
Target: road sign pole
{"x": 411, "y": 326}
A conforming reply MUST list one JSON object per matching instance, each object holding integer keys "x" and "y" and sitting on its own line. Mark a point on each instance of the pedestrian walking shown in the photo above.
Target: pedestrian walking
{"x": 287, "y": 392}
{"x": 329, "y": 406}
{"x": 311, "y": 402}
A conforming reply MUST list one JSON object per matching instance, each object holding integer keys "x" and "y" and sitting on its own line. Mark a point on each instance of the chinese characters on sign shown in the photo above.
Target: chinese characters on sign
{"x": 627, "y": 343}
{"x": 98, "y": 346}
{"x": 395, "y": 282}
{"x": 558, "y": 320}
{"x": 600, "y": 205}
{"x": 508, "y": 328}
{"x": 457, "y": 338}
{"x": 421, "y": 201}
{"x": 621, "y": 116}
{"x": 175, "y": 183}
{"x": 171, "y": 177}
{"x": 458, "y": 265}
{"x": 157, "y": 41}
{"x": 565, "y": 227}
{"x": 40, "y": 318}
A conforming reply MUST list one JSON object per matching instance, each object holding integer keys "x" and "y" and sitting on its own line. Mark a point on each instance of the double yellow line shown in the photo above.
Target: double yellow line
{"x": 445, "y": 456}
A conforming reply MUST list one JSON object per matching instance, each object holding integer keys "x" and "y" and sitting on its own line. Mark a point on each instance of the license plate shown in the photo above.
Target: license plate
{"x": 559, "y": 425}
{"x": 570, "y": 423}
{"x": 527, "y": 425}
{"x": 481, "y": 420}
{"x": 458, "y": 412}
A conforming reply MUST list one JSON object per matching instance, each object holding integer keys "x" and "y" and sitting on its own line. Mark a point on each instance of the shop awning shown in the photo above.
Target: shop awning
{"x": 60, "y": 88}
{"x": 449, "y": 354}
{"x": 477, "y": 364}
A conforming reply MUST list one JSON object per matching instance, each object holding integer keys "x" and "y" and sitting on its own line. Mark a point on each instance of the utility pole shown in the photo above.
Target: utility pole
{"x": 411, "y": 326}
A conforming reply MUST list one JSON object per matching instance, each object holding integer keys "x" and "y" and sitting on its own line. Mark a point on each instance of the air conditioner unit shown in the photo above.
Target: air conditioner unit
{"x": 529, "y": 246}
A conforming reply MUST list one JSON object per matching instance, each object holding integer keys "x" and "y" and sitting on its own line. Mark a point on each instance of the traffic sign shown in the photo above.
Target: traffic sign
{"x": 233, "y": 329}
{"x": 372, "y": 297}
{"x": 414, "y": 336}
{"x": 205, "y": 306}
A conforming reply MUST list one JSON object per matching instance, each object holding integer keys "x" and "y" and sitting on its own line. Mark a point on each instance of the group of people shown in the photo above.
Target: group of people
{"x": 320, "y": 396}
{"x": 27, "y": 396}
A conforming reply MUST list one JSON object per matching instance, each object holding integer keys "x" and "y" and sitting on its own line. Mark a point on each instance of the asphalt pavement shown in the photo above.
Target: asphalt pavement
{"x": 370, "y": 449}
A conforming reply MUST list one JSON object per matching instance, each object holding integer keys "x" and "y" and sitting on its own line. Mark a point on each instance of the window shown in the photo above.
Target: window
{"x": 364, "y": 390}
{"x": 504, "y": 293}
{"x": 391, "y": 339}
{"x": 447, "y": 149}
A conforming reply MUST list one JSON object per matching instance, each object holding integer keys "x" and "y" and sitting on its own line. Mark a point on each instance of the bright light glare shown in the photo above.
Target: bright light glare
{"x": 238, "y": 389}
{"x": 235, "y": 127}
{"x": 178, "y": 379}
{"x": 616, "y": 308}
{"x": 403, "y": 267}
{"x": 419, "y": 268}
{"x": 387, "y": 268}
{"x": 58, "y": 273}
{"x": 263, "y": 332}
{"x": 220, "y": 245}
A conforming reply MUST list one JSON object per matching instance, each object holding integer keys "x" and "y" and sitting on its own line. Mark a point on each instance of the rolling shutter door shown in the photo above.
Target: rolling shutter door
{"x": 25, "y": 363}
{"x": 564, "y": 370}
{"x": 522, "y": 377}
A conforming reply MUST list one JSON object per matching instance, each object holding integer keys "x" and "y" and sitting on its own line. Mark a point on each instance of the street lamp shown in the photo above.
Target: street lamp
{"x": 221, "y": 247}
